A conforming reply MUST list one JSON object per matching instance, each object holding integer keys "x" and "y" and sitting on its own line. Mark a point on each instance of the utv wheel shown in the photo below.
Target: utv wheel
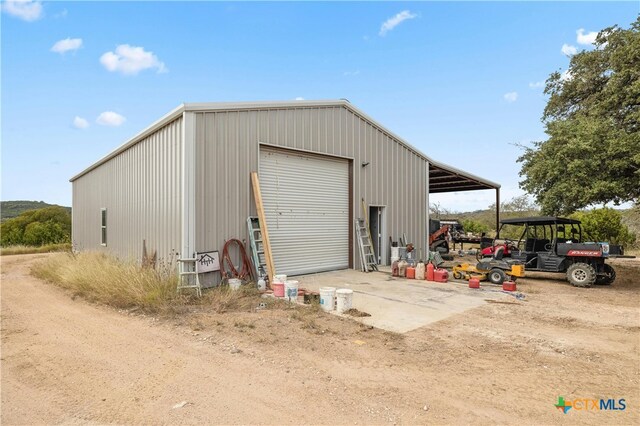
{"x": 608, "y": 277}
{"x": 497, "y": 276}
{"x": 457, "y": 275}
{"x": 581, "y": 275}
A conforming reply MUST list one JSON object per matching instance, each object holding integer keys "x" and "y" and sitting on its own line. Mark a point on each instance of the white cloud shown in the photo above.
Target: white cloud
{"x": 66, "y": 45}
{"x": 80, "y": 123}
{"x": 566, "y": 76}
{"x": 586, "y": 38}
{"x": 536, "y": 85}
{"x": 62, "y": 14}
{"x": 511, "y": 97}
{"x": 396, "y": 20}
{"x": 27, "y": 10}
{"x": 131, "y": 60}
{"x": 568, "y": 50}
{"x": 299, "y": 98}
{"x": 110, "y": 118}
{"x": 349, "y": 73}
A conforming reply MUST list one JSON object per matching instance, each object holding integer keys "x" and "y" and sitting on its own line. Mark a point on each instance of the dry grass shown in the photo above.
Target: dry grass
{"x": 247, "y": 298}
{"x": 11, "y": 250}
{"x": 101, "y": 278}
{"x": 105, "y": 279}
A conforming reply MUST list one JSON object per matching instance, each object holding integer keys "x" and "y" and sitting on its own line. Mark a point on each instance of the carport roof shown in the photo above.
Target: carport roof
{"x": 444, "y": 178}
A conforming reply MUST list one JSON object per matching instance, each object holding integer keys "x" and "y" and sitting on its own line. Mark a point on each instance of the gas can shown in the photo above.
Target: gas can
{"x": 411, "y": 272}
{"x": 474, "y": 283}
{"x": 394, "y": 269}
{"x": 441, "y": 275}
{"x": 402, "y": 268}
{"x": 420, "y": 270}
{"x": 430, "y": 269}
{"x": 509, "y": 286}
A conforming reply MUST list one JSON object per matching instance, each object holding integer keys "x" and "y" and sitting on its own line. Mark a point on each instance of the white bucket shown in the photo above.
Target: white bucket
{"x": 327, "y": 298}
{"x": 345, "y": 299}
{"x": 395, "y": 254}
{"x": 280, "y": 279}
{"x": 234, "y": 283}
{"x": 262, "y": 284}
{"x": 291, "y": 291}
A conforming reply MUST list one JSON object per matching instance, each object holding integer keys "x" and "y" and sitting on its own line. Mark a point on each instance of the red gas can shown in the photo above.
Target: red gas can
{"x": 441, "y": 275}
{"x": 474, "y": 283}
{"x": 509, "y": 286}
{"x": 411, "y": 272}
{"x": 430, "y": 269}
{"x": 395, "y": 270}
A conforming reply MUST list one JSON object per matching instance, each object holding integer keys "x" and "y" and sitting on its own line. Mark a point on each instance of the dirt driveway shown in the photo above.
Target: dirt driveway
{"x": 67, "y": 361}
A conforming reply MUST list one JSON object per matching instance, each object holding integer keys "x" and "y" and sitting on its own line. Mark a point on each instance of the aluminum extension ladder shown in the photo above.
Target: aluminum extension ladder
{"x": 189, "y": 277}
{"x": 367, "y": 256}
{"x": 257, "y": 247}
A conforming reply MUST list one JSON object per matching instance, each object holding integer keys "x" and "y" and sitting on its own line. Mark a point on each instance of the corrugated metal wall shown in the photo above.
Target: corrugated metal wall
{"x": 227, "y": 145}
{"x": 141, "y": 190}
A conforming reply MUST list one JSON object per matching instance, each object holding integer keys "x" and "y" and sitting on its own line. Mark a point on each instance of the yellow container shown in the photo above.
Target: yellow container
{"x": 517, "y": 270}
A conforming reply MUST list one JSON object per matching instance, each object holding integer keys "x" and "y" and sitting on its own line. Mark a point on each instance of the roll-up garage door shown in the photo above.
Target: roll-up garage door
{"x": 306, "y": 202}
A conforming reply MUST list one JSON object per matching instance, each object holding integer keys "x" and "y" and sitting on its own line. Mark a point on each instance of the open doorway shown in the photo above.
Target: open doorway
{"x": 377, "y": 226}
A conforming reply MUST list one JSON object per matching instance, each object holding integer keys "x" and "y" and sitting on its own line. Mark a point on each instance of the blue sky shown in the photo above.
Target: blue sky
{"x": 460, "y": 81}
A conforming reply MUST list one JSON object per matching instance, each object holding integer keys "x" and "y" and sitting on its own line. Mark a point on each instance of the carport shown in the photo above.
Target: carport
{"x": 444, "y": 178}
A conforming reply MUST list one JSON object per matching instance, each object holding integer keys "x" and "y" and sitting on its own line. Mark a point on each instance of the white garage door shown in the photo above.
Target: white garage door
{"x": 306, "y": 202}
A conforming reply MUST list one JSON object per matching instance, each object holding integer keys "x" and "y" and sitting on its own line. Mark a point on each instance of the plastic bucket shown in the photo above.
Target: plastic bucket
{"x": 280, "y": 279}
{"x": 291, "y": 291}
{"x": 327, "y": 298}
{"x": 234, "y": 283}
{"x": 344, "y": 298}
{"x": 278, "y": 289}
{"x": 395, "y": 254}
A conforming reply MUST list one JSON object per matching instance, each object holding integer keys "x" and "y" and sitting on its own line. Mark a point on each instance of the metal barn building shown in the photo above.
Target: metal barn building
{"x": 183, "y": 184}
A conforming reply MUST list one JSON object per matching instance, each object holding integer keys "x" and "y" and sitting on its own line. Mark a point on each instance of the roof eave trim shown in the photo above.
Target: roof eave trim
{"x": 163, "y": 121}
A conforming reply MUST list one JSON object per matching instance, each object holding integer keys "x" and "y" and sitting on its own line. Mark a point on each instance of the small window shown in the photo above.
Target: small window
{"x": 103, "y": 226}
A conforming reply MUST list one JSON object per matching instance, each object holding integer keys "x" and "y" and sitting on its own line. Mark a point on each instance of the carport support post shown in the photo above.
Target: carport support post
{"x": 428, "y": 229}
{"x": 497, "y": 210}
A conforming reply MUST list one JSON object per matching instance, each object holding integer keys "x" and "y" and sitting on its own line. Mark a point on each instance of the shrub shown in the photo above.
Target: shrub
{"x": 474, "y": 226}
{"x": 51, "y": 225}
{"x": 604, "y": 224}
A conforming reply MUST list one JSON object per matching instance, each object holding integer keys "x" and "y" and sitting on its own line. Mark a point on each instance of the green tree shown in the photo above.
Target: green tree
{"x": 605, "y": 225}
{"x": 51, "y": 225}
{"x": 592, "y": 118}
{"x": 474, "y": 226}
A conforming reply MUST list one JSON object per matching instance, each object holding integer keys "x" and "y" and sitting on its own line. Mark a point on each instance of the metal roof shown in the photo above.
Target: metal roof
{"x": 442, "y": 178}
{"x": 541, "y": 220}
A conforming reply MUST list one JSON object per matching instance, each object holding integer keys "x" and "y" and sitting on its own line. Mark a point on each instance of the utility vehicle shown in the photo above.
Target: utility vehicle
{"x": 556, "y": 244}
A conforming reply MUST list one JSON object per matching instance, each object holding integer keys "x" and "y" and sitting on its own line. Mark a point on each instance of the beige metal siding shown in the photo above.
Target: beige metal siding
{"x": 140, "y": 188}
{"x": 227, "y": 145}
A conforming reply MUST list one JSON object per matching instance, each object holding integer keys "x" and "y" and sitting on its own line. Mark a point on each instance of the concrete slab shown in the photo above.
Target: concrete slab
{"x": 399, "y": 304}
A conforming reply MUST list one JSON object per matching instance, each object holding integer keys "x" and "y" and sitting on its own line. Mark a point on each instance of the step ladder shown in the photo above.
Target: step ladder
{"x": 189, "y": 277}
{"x": 367, "y": 256}
{"x": 257, "y": 247}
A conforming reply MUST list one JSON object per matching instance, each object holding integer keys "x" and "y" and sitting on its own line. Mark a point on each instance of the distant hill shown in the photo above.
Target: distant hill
{"x": 9, "y": 209}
